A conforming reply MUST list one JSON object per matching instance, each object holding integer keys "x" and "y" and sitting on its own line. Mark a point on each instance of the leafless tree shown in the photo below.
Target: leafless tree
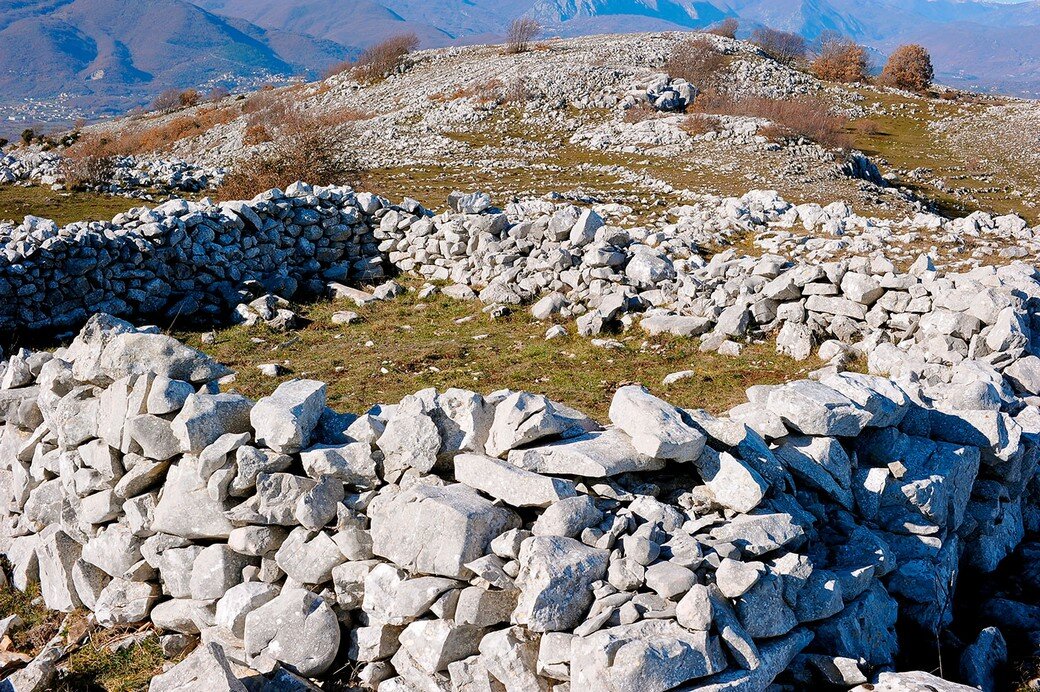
{"x": 521, "y": 32}
{"x": 782, "y": 46}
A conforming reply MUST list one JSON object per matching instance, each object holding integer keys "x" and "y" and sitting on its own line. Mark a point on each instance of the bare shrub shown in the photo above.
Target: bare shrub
{"x": 841, "y": 60}
{"x": 217, "y": 93}
{"x": 521, "y": 32}
{"x": 379, "y": 61}
{"x": 698, "y": 124}
{"x": 910, "y": 68}
{"x": 167, "y": 101}
{"x": 868, "y": 127}
{"x": 792, "y": 118}
{"x": 338, "y": 68}
{"x": 697, "y": 61}
{"x": 309, "y": 148}
{"x": 89, "y": 162}
{"x": 782, "y": 46}
{"x": 727, "y": 28}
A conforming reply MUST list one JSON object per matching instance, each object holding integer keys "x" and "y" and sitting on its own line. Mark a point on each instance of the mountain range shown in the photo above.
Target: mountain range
{"x": 106, "y": 56}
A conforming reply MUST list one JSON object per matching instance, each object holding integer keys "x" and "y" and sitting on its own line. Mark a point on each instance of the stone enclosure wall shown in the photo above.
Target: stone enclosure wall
{"x": 184, "y": 260}
{"x": 454, "y": 541}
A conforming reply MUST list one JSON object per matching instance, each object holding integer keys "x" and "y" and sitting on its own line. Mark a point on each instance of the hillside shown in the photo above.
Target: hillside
{"x": 457, "y": 123}
{"x": 977, "y": 45}
{"x": 634, "y": 362}
{"x": 72, "y": 59}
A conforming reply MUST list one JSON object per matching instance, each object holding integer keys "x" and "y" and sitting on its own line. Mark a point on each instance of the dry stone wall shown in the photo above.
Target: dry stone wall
{"x": 455, "y": 541}
{"x": 183, "y": 259}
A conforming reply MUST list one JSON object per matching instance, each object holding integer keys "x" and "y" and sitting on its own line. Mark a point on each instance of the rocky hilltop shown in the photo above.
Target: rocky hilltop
{"x": 849, "y": 530}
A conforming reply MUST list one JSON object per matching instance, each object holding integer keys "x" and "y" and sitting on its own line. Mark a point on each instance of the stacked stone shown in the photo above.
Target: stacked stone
{"x": 459, "y": 542}
{"x": 134, "y": 173}
{"x": 37, "y": 166}
{"x": 185, "y": 259}
{"x": 129, "y": 173}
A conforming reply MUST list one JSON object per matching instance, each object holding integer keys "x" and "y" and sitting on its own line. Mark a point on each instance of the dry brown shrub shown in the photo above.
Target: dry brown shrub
{"x": 640, "y": 112}
{"x": 485, "y": 91}
{"x": 792, "y": 118}
{"x": 305, "y": 147}
{"x": 697, "y": 61}
{"x": 255, "y": 134}
{"x": 782, "y": 46}
{"x": 910, "y": 68}
{"x": 161, "y": 136}
{"x": 521, "y": 32}
{"x": 517, "y": 91}
{"x": 697, "y": 124}
{"x": 88, "y": 163}
{"x": 868, "y": 127}
{"x": 727, "y": 28}
{"x": 841, "y": 60}
{"x": 379, "y": 61}
{"x": 189, "y": 98}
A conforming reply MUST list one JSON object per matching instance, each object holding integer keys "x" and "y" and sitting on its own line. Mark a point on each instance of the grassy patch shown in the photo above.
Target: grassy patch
{"x": 91, "y": 667}
{"x": 64, "y": 207}
{"x": 94, "y": 667}
{"x": 38, "y": 626}
{"x": 405, "y": 345}
{"x": 903, "y": 136}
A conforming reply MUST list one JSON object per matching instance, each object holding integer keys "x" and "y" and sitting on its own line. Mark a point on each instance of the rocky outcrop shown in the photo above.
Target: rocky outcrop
{"x": 460, "y": 541}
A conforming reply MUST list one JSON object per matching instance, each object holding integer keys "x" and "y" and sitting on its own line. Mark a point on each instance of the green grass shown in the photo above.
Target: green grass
{"x": 94, "y": 667}
{"x": 38, "y": 623}
{"x": 64, "y": 207}
{"x": 904, "y": 139}
{"x": 405, "y": 345}
{"x": 90, "y": 667}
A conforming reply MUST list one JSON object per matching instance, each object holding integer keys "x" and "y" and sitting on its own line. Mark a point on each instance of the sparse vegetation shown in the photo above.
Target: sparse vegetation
{"x": 96, "y": 665}
{"x": 63, "y": 206}
{"x": 379, "y": 61}
{"x": 27, "y": 136}
{"x": 782, "y": 46}
{"x": 166, "y": 101}
{"x": 189, "y": 98}
{"x": 421, "y": 343}
{"x": 217, "y": 93}
{"x": 88, "y": 163}
{"x": 841, "y": 60}
{"x": 909, "y": 68}
{"x": 521, "y": 32}
{"x": 796, "y": 117}
{"x": 697, "y": 61}
{"x": 727, "y": 28}
{"x": 303, "y": 147}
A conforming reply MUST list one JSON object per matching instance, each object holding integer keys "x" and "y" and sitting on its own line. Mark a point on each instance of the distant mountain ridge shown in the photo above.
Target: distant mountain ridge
{"x": 116, "y": 54}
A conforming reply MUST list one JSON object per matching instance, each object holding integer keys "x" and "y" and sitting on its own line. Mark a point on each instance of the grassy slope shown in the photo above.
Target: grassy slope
{"x": 904, "y": 139}
{"x": 17, "y": 201}
{"x": 405, "y": 345}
